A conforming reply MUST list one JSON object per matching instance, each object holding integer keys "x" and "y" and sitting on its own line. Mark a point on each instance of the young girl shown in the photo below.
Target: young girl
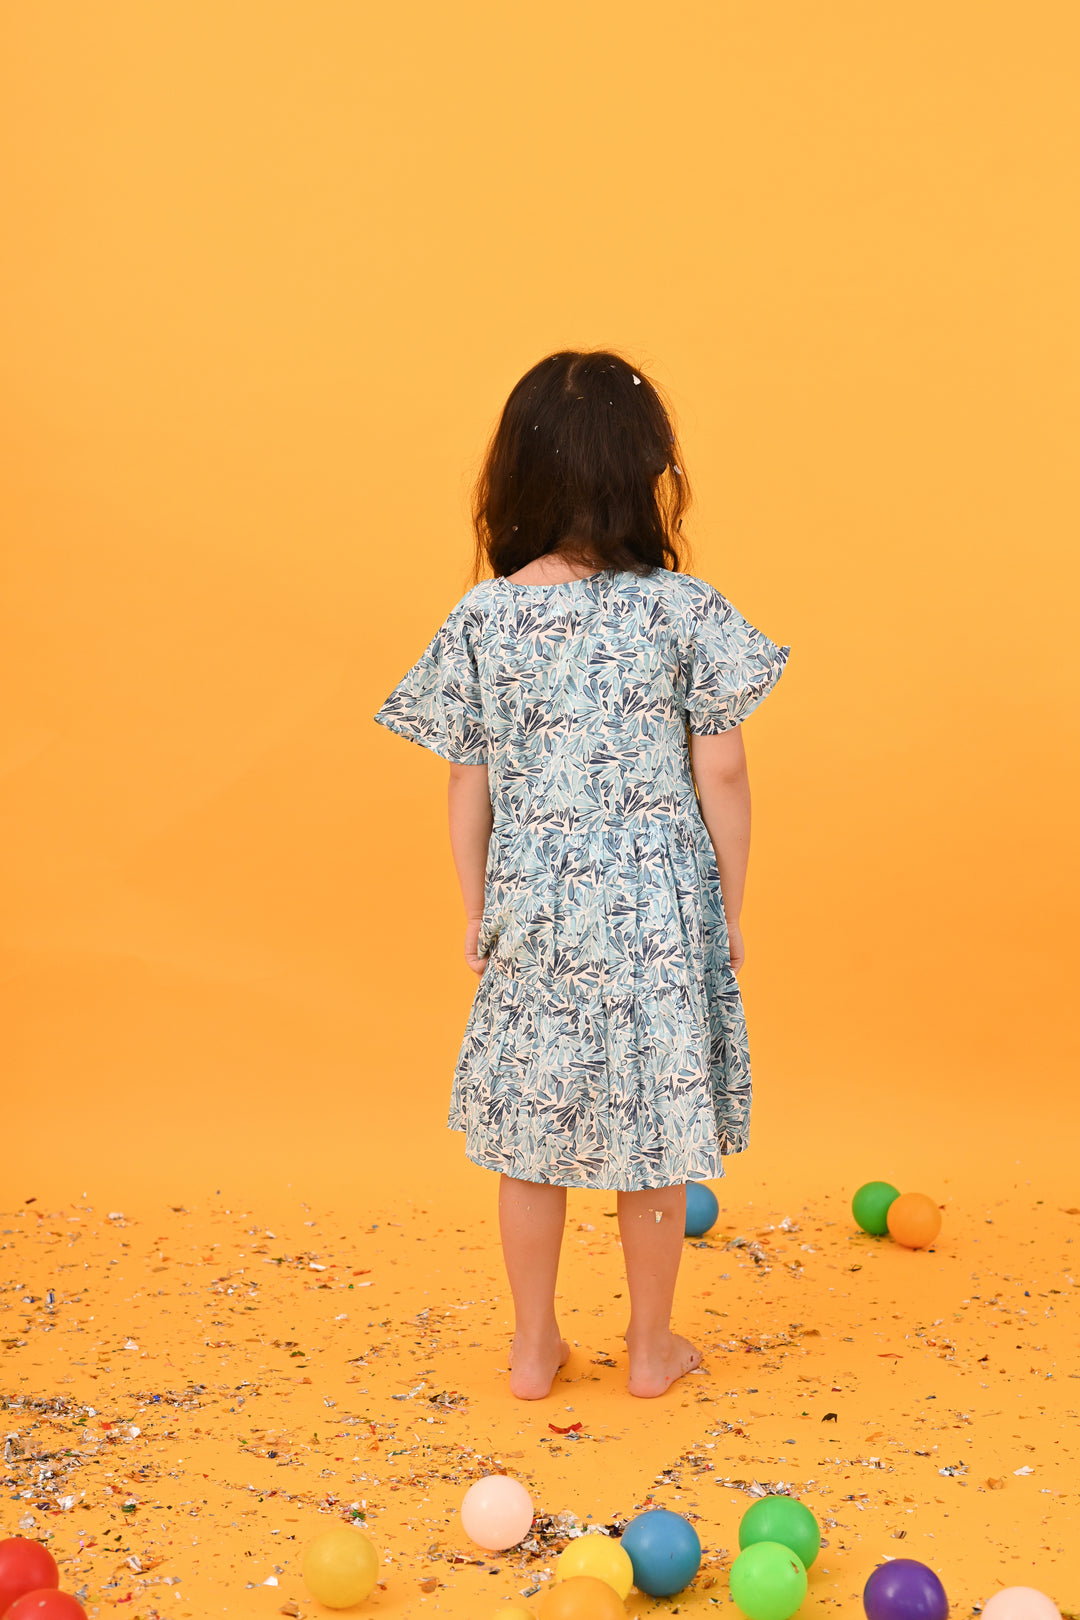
{"x": 572, "y": 693}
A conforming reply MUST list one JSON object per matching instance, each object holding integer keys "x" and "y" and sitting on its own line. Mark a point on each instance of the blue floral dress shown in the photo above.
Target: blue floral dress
{"x": 606, "y": 1044}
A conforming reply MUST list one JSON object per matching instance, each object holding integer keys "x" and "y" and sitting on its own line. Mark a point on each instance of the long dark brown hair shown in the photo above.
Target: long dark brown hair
{"x": 584, "y": 461}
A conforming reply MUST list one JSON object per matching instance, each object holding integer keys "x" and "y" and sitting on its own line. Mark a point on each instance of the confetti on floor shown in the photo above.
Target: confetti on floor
{"x": 183, "y": 1408}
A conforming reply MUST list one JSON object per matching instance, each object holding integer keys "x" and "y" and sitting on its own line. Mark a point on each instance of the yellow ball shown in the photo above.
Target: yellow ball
{"x": 516, "y": 1613}
{"x": 340, "y": 1567}
{"x": 602, "y": 1557}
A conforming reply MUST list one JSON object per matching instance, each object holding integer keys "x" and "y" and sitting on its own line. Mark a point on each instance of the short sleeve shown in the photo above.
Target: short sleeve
{"x": 730, "y": 666}
{"x": 438, "y": 703}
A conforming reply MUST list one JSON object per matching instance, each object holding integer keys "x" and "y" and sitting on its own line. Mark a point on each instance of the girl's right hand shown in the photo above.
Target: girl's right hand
{"x": 472, "y": 935}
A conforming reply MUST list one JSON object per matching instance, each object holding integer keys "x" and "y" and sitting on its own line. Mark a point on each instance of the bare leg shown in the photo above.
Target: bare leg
{"x": 652, "y": 1225}
{"x": 531, "y": 1220}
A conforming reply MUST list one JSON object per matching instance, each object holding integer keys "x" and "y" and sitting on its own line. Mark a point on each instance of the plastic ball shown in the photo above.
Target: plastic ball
{"x": 768, "y": 1581}
{"x": 25, "y": 1566}
{"x": 601, "y": 1557}
{"x": 1021, "y": 1603}
{"x": 48, "y": 1604}
{"x": 782, "y": 1519}
{"x": 582, "y": 1597}
{"x": 496, "y": 1512}
{"x": 340, "y": 1567}
{"x": 701, "y": 1209}
{"x": 904, "y": 1589}
{"x": 914, "y": 1220}
{"x": 664, "y": 1550}
{"x": 513, "y": 1612}
{"x": 870, "y": 1206}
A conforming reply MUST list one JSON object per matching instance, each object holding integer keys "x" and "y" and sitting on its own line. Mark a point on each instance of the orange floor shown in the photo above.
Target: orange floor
{"x": 184, "y": 1410}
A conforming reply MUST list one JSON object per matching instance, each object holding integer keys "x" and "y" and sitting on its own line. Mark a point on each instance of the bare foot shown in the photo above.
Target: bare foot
{"x": 533, "y": 1367}
{"x": 655, "y": 1367}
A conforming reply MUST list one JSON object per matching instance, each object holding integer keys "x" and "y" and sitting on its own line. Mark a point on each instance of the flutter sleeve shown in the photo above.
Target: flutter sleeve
{"x": 730, "y": 665}
{"x": 439, "y": 702}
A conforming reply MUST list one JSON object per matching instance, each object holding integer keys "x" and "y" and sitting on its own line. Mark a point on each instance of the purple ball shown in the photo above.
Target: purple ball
{"x": 904, "y": 1589}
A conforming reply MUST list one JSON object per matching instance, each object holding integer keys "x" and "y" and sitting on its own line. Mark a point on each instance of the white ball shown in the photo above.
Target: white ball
{"x": 497, "y": 1512}
{"x": 1020, "y": 1603}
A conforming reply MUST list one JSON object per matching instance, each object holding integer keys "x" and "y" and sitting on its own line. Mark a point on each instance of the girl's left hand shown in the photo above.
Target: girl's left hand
{"x": 472, "y": 935}
{"x": 736, "y": 948}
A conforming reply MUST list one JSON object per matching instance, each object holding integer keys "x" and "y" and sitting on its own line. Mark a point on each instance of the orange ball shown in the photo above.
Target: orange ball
{"x": 914, "y": 1220}
{"x": 582, "y": 1597}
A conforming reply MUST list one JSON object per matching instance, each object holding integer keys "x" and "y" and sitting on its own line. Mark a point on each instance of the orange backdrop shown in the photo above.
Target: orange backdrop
{"x": 271, "y": 272}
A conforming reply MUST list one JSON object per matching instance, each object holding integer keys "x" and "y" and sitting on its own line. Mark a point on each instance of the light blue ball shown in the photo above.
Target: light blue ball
{"x": 701, "y": 1209}
{"x": 664, "y": 1550}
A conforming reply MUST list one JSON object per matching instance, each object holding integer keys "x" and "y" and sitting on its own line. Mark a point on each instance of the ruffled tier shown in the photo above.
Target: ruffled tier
{"x": 606, "y": 1044}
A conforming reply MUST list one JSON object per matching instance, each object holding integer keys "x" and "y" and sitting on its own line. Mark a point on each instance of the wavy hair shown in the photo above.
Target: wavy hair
{"x": 584, "y": 461}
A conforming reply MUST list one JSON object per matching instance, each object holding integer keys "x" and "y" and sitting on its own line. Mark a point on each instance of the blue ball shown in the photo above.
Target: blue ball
{"x": 664, "y": 1550}
{"x": 701, "y": 1209}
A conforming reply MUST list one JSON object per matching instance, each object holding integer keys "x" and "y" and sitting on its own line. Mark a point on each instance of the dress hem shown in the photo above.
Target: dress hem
{"x": 594, "y": 1185}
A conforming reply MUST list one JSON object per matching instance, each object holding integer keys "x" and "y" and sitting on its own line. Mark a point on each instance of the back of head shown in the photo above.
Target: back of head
{"x": 584, "y": 461}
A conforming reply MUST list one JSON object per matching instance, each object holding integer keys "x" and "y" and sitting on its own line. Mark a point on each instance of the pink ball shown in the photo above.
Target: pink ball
{"x": 1020, "y": 1603}
{"x": 497, "y": 1512}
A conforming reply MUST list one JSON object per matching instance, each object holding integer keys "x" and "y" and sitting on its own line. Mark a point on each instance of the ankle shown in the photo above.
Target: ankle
{"x": 646, "y": 1336}
{"x": 537, "y": 1332}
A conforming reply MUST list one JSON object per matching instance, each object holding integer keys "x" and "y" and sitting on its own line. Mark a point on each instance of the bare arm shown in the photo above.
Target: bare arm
{"x": 723, "y": 785}
{"x": 469, "y": 811}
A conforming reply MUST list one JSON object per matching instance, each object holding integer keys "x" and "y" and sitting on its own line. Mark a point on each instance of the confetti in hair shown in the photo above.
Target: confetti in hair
{"x": 637, "y": 379}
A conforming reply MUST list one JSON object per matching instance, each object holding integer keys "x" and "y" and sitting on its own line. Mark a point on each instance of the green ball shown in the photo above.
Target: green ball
{"x": 870, "y": 1206}
{"x": 768, "y": 1581}
{"x": 782, "y": 1519}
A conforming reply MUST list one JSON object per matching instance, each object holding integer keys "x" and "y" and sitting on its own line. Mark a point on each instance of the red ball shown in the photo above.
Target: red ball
{"x": 48, "y": 1604}
{"x": 25, "y": 1566}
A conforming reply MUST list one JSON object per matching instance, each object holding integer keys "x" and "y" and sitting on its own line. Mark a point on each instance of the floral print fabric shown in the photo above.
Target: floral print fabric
{"x": 606, "y": 1045}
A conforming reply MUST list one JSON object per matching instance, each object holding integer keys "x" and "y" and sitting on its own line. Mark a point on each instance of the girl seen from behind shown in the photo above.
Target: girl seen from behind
{"x": 589, "y": 698}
